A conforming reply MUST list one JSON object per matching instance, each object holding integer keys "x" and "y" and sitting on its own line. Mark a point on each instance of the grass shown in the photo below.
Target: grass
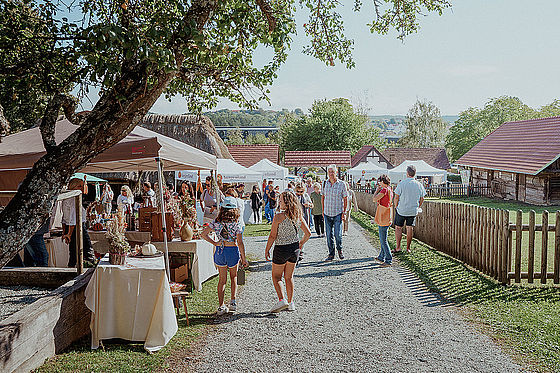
{"x": 524, "y": 320}
{"x": 131, "y": 357}
{"x": 253, "y": 230}
{"x": 513, "y": 207}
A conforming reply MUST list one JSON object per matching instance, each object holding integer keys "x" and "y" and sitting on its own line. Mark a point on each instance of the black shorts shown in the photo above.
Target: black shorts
{"x": 400, "y": 220}
{"x": 285, "y": 253}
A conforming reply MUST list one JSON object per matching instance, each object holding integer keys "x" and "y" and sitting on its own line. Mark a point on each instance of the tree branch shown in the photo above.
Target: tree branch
{"x": 268, "y": 12}
{"x": 4, "y": 124}
{"x": 47, "y": 125}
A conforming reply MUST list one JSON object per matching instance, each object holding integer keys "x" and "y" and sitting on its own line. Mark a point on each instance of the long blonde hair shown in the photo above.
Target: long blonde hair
{"x": 292, "y": 206}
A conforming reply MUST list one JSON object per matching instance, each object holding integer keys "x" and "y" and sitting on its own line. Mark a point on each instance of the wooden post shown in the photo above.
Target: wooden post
{"x": 531, "y": 259}
{"x": 544, "y": 250}
{"x": 505, "y": 247}
{"x": 518, "y": 238}
{"x": 557, "y": 249}
{"x": 79, "y": 235}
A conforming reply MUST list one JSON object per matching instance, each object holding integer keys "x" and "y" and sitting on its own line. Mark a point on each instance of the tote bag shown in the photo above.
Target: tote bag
{"x": 383, "y": 214}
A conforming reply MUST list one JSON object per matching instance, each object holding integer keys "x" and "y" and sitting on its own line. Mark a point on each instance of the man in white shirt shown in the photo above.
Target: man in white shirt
{"x": 409, "y": 196}
{"x": 149, "y": 196}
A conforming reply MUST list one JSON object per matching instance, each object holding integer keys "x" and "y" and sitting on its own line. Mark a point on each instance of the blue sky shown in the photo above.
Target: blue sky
{"x": 477, "y": 50}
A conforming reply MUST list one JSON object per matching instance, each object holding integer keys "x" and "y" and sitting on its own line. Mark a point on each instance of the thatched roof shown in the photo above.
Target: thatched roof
{"x": 195, "y": 130}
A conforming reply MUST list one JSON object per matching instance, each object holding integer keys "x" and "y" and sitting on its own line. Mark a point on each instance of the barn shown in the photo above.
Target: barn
{"x": 519, "y": 161}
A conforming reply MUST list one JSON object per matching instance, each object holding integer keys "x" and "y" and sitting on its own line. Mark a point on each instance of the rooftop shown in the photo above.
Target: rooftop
{"x": 435, "y": 157}
{"x": 341, "y": 158}
{"x": 248, "y": 155}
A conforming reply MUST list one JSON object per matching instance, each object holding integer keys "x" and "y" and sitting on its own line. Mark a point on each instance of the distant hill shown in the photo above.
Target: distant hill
{"x": 274, "y": 118}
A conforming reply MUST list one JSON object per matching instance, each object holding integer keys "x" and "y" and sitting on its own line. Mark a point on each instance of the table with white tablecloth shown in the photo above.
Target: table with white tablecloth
{"x": 58, "y": 252}
{"x": 203, "y": 266}
{"x": 131, "y": 302}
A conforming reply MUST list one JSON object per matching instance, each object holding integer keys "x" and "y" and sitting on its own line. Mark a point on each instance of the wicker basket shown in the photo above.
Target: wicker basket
{"x": 117, "y": 258}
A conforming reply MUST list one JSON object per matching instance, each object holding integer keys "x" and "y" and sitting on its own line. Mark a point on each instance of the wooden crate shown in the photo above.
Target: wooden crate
{"x": 157, "y": 231}
{"x": 145, "y": 218}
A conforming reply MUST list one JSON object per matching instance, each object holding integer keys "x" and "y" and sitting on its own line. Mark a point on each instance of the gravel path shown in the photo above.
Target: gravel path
{"x": 351, "y": 315}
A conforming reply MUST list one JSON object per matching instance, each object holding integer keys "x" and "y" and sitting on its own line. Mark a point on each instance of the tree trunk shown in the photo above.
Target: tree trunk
{"x": 109, "y": 122}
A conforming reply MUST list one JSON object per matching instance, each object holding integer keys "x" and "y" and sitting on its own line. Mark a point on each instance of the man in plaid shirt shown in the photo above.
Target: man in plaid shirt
{"x": 334, "y": 200}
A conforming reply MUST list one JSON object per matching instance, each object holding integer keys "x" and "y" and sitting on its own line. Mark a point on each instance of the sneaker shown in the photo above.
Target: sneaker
{"x": 291, "y": 306}
{"x": 330, "y": 258}
{"x": 385, "y": 264}
{"x": 379, "y": 260}
{"x": 280, "y": 306}
{"x": 340, "y": 255}
{"x": 222, "y": 310}
{"x": 232, "y": 305}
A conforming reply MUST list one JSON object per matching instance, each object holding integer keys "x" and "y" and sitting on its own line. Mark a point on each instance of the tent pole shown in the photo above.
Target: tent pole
{"x": 163, "y": 223}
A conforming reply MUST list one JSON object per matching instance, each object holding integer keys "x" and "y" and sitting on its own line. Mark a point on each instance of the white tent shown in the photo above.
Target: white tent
{"x": 367, "y": 170}
{"x": 231, "y": 172}
{"x": 422, "y": 170}
{"x": 269, "y": 169}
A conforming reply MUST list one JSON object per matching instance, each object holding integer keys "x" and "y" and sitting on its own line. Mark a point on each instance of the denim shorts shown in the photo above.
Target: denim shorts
{"x": 226, "y": 256}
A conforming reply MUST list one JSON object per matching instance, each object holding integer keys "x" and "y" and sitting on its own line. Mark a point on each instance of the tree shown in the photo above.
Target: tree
{"x": 474, "y": 124}
{"x": 137, "y": 50}
{"x": 424, "y": 126}
{"x": 331, "y": 125}
{"x": 234, "y": 137}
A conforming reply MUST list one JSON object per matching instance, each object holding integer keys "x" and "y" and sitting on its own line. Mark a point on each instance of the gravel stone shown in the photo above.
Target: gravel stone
{"x": 351, "y": 315}
{"x": 15, "y": 298}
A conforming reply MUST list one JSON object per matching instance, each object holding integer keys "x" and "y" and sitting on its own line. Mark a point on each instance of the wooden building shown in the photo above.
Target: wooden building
{"x": 435, "y": 157}
{"x": 519, "y": 161}
{"x": 370, "y": 154}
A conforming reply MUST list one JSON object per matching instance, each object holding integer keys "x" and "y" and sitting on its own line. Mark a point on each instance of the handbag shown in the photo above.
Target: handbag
{"x": 384, "y": 214}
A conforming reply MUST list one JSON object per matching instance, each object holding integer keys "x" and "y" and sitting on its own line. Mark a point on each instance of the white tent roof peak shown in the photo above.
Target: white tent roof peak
{"x": 269, "y": 169}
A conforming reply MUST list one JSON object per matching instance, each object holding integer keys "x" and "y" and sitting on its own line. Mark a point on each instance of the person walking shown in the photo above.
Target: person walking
{"x": 266, "y": 197}
{"x": 210, "y": 200}
{"x": 107, "y": 199}
{"x": 256, "y": 203}
{"x": 351, "y": 202}
{"x": 229, "y": 250}
{"x": 284, "y": 234}
{"x": 273, "y": 194}
{"x": 309, "y": 189}
{"x": 383, "y": 196}
{"x": 305, "y": 203}
{"x": 334, "y": 201}
{"x": 409, "y": 196}
{"x": 317, "y": 210}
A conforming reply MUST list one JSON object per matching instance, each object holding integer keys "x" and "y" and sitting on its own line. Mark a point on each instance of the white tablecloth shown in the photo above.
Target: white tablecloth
{"x": 58, "y": 252}
{"x": 203, "y": 264}
{"x": 131, "y": 302}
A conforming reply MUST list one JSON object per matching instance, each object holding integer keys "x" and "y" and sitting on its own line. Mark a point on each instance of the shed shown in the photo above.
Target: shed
{"x": 250, "y": 154}
{"x": 317, "y": 158}
{"x": 370, "y": 154}
{"x": 519, "y": 161}
{"x": 435, "y": 157}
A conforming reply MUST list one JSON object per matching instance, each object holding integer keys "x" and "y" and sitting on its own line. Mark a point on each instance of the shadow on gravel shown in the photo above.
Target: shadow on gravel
{"x": 333, "y": 271}
{"x": 420, "y": 291}
{"x": 244, "y": 315}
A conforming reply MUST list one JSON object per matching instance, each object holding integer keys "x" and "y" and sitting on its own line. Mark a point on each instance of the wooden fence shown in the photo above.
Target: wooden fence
{"x": 443, "y": 191}
{"x": 485, "y": 239}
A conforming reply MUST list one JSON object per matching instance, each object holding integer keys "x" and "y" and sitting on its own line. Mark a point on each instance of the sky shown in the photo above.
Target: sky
{"x": 475, "y": 51}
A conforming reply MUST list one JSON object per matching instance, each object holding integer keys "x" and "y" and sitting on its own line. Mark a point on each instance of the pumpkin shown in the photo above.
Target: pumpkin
{"x": 149, "y": 249}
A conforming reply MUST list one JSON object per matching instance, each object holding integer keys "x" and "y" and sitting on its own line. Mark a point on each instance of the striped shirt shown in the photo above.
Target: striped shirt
{"x": 334, "y": 197}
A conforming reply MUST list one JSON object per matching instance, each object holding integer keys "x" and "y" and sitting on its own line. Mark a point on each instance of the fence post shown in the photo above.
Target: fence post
{"x": 557, "y": 249}
{"x": 531, "y": 258}
{"x": 544, "y": 250}
{"x": 505, "y": 246}
{"x": 518, "y": 239}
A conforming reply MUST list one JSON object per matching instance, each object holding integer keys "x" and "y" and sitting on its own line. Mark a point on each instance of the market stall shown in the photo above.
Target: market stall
{"x": 366, "y": 170}
{"x": 423, "y": 169}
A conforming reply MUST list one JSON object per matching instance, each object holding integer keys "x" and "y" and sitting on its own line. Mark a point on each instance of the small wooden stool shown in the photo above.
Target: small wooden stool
{"x": 177, "y": 298}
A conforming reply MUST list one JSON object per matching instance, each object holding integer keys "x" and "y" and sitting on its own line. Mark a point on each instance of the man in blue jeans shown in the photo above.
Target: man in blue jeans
{"x": 334, "y": 199}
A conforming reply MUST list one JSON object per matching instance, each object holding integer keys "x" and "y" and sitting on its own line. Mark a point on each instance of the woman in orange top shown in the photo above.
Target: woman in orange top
{"x": 384, "y": 216}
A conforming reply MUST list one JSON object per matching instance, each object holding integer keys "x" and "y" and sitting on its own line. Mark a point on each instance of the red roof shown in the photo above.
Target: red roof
{"x": 341, "y": 158}
{"x": 526, "y": 147}
{"x": 361, "y": 155}
{"x": 248, "y": 155}
{"x": 435, "y": 157}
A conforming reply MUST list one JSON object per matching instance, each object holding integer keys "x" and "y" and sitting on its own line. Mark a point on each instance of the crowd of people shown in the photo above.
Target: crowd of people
{"x": 293, "y": 213}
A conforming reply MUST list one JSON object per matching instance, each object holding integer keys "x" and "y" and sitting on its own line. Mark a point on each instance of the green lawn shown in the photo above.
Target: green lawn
{"x": 524, "y": 320}
{"x": 513, "y": 207}
{"x": 252, "y": 230}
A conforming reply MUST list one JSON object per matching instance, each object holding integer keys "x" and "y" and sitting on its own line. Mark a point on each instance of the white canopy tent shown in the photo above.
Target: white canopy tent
{"x": 366, "y": 170}
{"x": 269, "y": 169}
{"x": 422, "y": 170}
{"x": 231, "y": 172}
